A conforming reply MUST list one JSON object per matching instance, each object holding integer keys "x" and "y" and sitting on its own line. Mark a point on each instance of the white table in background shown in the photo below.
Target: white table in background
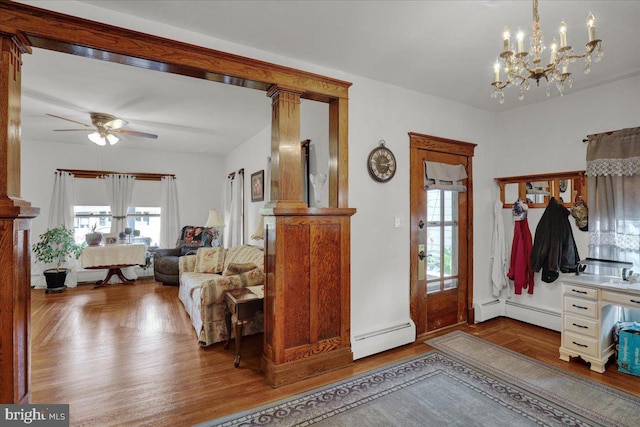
{"x": 113, "y": 258}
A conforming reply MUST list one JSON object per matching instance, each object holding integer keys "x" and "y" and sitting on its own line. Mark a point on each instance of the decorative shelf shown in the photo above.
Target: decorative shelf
{"x": 565, "y": 186}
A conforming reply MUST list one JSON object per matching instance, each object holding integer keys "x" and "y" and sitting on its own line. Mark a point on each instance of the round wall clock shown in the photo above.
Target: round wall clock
{"x": 381, "y": 163}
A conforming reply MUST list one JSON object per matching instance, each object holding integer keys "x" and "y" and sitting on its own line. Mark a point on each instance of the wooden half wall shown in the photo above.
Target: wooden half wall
{"x": 292, "y": 223}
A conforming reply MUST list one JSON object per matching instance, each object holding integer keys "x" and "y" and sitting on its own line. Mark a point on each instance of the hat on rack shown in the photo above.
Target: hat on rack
{"x": 519, "y": 210}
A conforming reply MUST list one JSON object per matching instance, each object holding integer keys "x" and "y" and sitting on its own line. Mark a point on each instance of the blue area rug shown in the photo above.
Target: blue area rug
{"x": 436, "y": 389}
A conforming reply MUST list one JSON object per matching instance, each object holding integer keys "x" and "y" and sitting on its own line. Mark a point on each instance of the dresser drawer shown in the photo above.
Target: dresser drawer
{"x": 580, "y": 344}
{"x": 583, "y": 307}
{"x": 580, "y": 291}
{"x": 581, "y": 326}
{"x": 626, "y": 299}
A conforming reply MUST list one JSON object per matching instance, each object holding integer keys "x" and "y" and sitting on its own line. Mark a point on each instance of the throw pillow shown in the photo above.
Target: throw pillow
{"x": 237, "y": 268}
{"x": 209, "y": 260}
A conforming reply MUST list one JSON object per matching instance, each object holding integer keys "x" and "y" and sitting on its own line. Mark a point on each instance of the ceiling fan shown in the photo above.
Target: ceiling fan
{"x": 104, "y": 128}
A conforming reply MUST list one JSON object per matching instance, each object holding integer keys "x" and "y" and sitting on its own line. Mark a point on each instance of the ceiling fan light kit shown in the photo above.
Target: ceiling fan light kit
{"x": 515, "y": 62}
{"x": 102, "y": 139}
{"x": 105, "y": 128}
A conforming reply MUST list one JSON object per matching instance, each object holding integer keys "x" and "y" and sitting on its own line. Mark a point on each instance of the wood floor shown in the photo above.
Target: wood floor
{"x": 127, "y": 355}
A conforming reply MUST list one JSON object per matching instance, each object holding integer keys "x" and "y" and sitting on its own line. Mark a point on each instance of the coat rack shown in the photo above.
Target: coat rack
{"x": 515, "y": 187}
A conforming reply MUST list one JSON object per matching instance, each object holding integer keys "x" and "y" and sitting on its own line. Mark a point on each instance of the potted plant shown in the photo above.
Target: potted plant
{"x": 56, "y": 245}
{"x": 93, "y": 238}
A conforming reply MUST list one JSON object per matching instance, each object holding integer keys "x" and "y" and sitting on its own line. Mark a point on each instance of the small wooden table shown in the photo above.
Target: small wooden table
{"x": 113, "y": 258}
{"x": 243, "y": 304}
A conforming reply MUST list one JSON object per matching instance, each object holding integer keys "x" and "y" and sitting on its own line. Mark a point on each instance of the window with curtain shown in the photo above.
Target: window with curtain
{"x": 613, "y": 171}
{"x": 146, "y": 219}
{"x": 92, "y": 206}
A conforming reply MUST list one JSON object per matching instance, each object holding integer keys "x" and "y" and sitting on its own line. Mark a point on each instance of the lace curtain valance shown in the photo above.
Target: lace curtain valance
{"x": 614, "y": 154}
{"x": 443, "y": 176}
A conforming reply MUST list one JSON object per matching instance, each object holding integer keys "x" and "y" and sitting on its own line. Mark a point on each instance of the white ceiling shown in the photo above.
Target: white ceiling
{"x": 442, "y": 48}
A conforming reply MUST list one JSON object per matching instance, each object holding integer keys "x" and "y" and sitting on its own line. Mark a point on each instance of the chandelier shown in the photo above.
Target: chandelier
{"x": 521, "y": 66}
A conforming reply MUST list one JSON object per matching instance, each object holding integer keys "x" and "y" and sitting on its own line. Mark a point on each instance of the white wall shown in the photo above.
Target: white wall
{"x": 252, "y": 155}
{"x": 547, "y": 137}
{"x": 380, "y": 252}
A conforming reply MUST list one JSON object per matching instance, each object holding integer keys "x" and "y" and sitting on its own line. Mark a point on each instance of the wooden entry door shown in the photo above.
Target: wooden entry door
{"x": 441, "y": 238}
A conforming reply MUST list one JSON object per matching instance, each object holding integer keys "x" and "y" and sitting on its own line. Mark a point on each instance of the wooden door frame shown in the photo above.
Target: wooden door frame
{"x": 450, "y": 146}
{"x": 23, "y": 27}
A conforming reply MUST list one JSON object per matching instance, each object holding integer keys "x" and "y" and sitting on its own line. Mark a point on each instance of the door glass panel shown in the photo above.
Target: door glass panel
{"x": 450, "y": 284}
{"x": 442, "y": 240}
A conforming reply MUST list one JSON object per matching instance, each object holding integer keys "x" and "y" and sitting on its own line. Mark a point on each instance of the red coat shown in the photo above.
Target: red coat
{"x": 520, "y": 268}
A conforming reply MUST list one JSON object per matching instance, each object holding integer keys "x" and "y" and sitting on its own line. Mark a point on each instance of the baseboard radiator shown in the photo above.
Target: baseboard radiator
{"x": 534, "y": 315}
{"x": 373, "y": 342}
{"x": 487, "y": 310}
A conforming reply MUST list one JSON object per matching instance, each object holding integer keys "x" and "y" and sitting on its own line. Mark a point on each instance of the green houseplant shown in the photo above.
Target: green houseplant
{"x": 55, "y": 246}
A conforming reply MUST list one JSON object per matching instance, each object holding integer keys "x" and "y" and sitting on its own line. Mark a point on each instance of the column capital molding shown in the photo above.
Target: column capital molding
{"x": 275, "y": 90}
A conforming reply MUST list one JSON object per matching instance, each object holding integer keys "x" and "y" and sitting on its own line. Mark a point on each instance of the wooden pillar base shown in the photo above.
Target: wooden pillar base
{"x": 307, "y": 293}
{"x": 287, "y": 373}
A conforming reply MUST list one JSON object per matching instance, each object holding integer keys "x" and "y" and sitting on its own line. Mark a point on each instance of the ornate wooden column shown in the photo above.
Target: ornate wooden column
{"x": 307, "y": 250}
{"x": 15, "y": 225}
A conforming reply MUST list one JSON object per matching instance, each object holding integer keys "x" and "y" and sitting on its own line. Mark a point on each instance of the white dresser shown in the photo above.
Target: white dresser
{"x": 590, "y": 309}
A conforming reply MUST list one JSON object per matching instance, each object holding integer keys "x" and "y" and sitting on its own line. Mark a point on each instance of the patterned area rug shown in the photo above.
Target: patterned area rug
{"x": 437, "y": 388}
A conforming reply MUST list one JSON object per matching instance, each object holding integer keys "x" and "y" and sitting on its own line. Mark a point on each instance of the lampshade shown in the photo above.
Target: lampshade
{"x": 259, "y": 233}
{"x": 97, "y": 138}
{"x": 214, "y": 220}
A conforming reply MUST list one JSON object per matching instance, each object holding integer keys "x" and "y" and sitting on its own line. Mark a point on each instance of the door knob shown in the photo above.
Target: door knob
{"x": 421, "y": 255}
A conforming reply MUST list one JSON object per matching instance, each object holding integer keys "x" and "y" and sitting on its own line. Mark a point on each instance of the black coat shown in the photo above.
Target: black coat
{"x": 554, "y": 249}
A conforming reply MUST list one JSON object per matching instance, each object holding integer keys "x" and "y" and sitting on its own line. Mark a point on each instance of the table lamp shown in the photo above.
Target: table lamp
{"x": 214, "y": 219}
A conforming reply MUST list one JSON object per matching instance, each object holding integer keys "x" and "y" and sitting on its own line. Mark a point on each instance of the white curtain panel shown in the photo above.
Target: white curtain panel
{"x": 233, "y": 209}
{"x": 62, "y": 201}
{"x": 120, "y": 189}
{"x": 60, "y": 213}
{"x": 170, "y": 214}
{"x": 613, "y": 170}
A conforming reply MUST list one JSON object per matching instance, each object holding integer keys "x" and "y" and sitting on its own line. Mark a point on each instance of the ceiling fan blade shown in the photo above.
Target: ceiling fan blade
{"x": 136, "y": 133}
{"x": 74, "y": 130}
{"x": 69, "y": 120}
{"x": 116, "y": 124}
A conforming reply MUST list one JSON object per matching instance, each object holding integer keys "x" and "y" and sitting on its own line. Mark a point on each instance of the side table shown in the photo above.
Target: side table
{"x": 243, "y": 305}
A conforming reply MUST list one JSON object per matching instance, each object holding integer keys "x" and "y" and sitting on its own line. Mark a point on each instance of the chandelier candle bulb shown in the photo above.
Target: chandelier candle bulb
{"x": 496, "y": 72}
{"x": 563, "y": 34}
{"x": 506, "y": 37}
{"x": 591, "y": 26}
{"x": 554, "y": 51}
{"x": 520, "y": 41}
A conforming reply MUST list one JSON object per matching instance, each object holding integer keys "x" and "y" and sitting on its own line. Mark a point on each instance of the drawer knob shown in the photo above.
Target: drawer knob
{"x": 580, "y": 345}
{"x": 579, "y": 306}
{"x": 634, "y": 301}
{"x": 580, "y": 326}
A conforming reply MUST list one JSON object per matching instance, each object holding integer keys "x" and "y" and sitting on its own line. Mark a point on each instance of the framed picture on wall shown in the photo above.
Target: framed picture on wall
{"x": 257, "y": 186}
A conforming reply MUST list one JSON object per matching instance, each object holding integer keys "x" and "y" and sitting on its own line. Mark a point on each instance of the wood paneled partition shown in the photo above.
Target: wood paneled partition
{"x": 23, "y": 26}
{"x": 307, "y": 293}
